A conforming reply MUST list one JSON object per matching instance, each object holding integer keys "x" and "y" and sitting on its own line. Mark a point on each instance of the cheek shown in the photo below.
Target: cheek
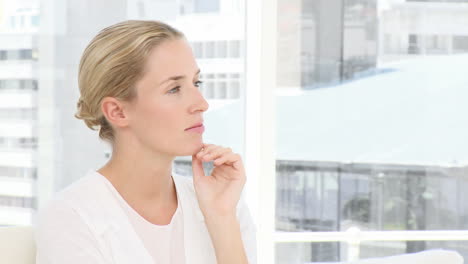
{"x": 161, "y": 115}
{"x": 161, "y": 119}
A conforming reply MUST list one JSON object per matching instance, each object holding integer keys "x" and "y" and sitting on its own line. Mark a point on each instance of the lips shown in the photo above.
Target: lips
{"x": 196, "y": 125}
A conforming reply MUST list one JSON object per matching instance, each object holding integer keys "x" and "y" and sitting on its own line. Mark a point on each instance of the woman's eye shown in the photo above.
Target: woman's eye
{"x": 198, "y": 83}
{"x": 173, "y": 89}
{"x": 177, "y": 89}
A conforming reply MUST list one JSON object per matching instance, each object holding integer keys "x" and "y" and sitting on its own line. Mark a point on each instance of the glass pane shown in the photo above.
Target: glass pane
{"x": 221, "y": 89}
{"x": 18, "y": 112}
{"x": 197, "y": 49}
{"x": 336, "y": 197}
{"x": 234, "y": 89}
{"x": 47, "y": 89}
{"x": 326, "y": 252}
{"x": 209, "y": 88}
{"x": 373, "y": 249}
{"x": 371, "y": 130}
{"x": 234, "y": 48}
{"x": 206, "y": 6}
{"x": 222, "y": 49}
{"x": 460, "y": 43}
{"x": 302, "y": 253}
{"x": 210, "y": 49}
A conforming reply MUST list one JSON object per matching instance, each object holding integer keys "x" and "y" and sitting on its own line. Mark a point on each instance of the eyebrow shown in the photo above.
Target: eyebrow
{"x": 175, "y": 78}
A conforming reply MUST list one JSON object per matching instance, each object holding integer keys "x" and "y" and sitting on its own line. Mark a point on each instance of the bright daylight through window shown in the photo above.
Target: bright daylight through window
{"x": 371, "y": 135}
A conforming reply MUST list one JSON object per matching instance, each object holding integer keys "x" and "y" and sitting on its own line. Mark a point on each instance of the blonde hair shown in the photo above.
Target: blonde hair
{"x": 112, "y": 63}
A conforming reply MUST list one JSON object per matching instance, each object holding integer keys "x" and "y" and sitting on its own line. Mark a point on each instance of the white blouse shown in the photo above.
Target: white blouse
{"x": 85, "y": 223}
{"x": 165, "y": 243}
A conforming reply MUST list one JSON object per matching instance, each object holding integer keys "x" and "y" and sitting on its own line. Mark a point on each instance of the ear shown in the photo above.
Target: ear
{"x": 114, "y": 111}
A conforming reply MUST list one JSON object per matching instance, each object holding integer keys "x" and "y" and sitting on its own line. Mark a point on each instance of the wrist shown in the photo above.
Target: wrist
{"x": 220, "y": 217}
{"x": 225, "y": 212}
{"x": 226, "y": 236}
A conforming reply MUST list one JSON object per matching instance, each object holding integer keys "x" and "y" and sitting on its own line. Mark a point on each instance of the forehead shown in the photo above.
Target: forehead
{"x": 172, "y": 57}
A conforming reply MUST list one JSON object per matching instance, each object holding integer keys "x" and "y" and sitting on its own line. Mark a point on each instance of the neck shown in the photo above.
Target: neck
{"x": 141, "y": 178}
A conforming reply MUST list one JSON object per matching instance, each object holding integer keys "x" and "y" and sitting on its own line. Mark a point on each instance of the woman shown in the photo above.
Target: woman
{"x": 139, "y": 84}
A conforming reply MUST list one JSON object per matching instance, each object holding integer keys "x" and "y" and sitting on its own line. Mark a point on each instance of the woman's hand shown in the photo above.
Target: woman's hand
{"x": 219, "y": 192}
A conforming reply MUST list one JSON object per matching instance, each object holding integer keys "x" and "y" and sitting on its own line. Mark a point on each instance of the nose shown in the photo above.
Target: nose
{"x": 199, "y": 102}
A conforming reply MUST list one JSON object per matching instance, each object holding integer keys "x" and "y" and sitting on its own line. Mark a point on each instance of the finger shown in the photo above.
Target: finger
{"x": 216, "y": 153}
{"x": 197, "y": 168}
{"x": 204, "y": 149}
{"x": 228, "y": 159}
{"x": 237, "y": 163}
{"x": 208, "y": 150}
{"x": 208, "y": 146}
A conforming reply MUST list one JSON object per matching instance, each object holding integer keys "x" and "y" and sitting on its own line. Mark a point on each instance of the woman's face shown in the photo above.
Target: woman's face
{"x": 169, "y": 101}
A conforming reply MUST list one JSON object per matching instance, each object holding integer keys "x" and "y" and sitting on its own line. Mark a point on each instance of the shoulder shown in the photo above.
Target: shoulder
{"x": 62, "y": 232}
{"x": 66, "y": 203}
{"x": 78, "y": 190}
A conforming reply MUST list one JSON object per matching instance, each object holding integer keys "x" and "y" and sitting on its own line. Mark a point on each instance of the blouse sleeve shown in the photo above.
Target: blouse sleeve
{"x": 248, "y": 231}
{"x": 63, "y": 237}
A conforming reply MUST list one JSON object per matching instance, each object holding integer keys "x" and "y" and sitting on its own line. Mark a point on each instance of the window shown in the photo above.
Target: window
{"x": 209, "y": 88}
{"x": 25, "y": 54}
{"x": 35, "y": 20}
{"x": 206, "y": 6}
{"x": 221, "y": 92}
{"x": 234, "y": 48}
{"x": 18, "y": 143}
{"x": 221, "y": 51}
{"x": 413, "y": 44}
{"x": 210, "y": 49}
{"x": 18, "y": 123}
{"x": 198, "y": 49}
{"x": 13, "y": 55}
{"x": 356, "y": 161}
{"x": 234, "y": 92}
{"x": 215, "y": 49}
{"x": 12, "y": 201}
{"x": 221, "y": 76}
{"x": 13, "y": 22}
{"x": 460, "y": 43}
{"x": 18, "y": 114}
{"x": 439, "y": 1}
{"x": 17, "y": 172}
{"x": 21, "y": 54}
{"x": 228, "y": 85}
{"x": 436, "y": 44}
{"x": 199, "y": 20}
{"x": 17, "y": 85}
{"x": 370, "y": 122}
{"x": 22, "y": 21}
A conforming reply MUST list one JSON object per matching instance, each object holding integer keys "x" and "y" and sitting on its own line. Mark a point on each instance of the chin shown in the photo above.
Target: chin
{"x": 196, "y": 148}
{"x": 189, "y": 150}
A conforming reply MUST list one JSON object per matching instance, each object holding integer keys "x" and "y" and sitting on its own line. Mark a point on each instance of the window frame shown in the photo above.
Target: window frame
{"x": 260, "y": 148}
